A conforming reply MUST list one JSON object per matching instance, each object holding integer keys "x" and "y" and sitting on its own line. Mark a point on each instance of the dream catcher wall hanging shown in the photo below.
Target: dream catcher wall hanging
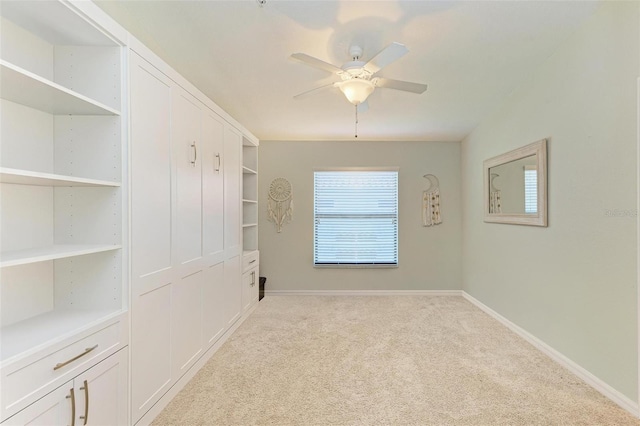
{"x": 280, "y": 202}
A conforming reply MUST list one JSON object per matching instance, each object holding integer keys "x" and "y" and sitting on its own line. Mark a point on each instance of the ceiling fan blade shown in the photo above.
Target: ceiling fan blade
{"x": 363, "y": 107}
{"x": 406, "y": 86}
{"x": 309, "y": 92}
{"x": 389, "y": 54}
{"x": 315, "y": 62}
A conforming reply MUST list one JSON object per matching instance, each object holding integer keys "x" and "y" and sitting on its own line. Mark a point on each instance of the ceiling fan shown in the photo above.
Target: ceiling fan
{"x": 358, "y": 78}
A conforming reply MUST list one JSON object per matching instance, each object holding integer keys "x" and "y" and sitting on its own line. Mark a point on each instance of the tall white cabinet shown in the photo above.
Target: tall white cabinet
{"x": 186, "y": 234}
{"x": 63, "y": 261}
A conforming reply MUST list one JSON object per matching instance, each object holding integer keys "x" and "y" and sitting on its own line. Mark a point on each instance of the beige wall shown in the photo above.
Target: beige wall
{"x": 573, "y": 284}
{"x": 429, "y": 257}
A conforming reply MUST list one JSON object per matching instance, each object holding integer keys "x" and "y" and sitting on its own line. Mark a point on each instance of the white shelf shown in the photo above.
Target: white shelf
{"x": 26, "y": 88}
{"x": 26, "y": 177}
{"x": 250, "y": 201}
{"x": 249, "y": 225}
{"x": 41, "y": 254}
{"x": 248, "y": 171}
{"x": 248, "y": 252}
{"x": 22, "y": 338}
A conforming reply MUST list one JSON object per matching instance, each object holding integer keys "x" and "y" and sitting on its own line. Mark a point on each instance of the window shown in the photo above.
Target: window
{"x": 530, "y": 189}
{"x": 356, "y": 218}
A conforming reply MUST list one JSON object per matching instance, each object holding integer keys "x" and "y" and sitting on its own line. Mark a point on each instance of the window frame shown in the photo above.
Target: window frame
{"x": 358, "y": 265}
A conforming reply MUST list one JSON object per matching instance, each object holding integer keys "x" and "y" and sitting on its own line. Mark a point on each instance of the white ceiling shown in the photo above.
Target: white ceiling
{"x": 471, "y": 54}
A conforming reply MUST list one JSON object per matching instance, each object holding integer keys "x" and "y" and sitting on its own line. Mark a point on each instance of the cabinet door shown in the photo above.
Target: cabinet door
{"x": 52, "y": 409}
{"x": 101, "y": 392}
{"x": 232, "y": 289}
{"x": 187, "y": 155}
{"x": 249, "y": 284}
{"x": 151, "y": 235}
{"x": 150, "y": 169}
{"x": 232, "y": 201}
{"x": 214, "y": 320}
{"x": 255, "y": 288}
{"x": 186, "y": 322}
{"x": 212, "y": 187}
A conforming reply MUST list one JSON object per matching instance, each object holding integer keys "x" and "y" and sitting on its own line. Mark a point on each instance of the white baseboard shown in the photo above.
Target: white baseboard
{"x": 363, "y": 292}
{"x": 596, "y": 383}
{"x": 157, "y": 408}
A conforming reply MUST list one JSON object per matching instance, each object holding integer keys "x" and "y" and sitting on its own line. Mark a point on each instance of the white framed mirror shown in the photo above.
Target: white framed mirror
{"x": 515, "y": 186}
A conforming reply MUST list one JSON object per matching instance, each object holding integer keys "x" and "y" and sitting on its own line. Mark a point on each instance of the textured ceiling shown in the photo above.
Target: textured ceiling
{"x": 472, "y": 55}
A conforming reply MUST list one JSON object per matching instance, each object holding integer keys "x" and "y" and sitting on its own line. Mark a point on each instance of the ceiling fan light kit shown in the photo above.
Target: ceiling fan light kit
{"x": 356, "y": 90}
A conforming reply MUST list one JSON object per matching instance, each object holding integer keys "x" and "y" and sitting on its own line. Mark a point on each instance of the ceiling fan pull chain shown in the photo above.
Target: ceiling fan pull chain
{"x": 356, "y": 121}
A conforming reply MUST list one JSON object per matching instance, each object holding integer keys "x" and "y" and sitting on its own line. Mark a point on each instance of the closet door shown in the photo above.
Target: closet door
{"x": 232, "y": 225}
{"x": 213, "y": 163}
{"x": 232, "y": 200}
{"x": 186, "y": 291}
{"x": 213, "y": 314}
{"x": 187, "y": 151}
{"x": 151, "y": 235}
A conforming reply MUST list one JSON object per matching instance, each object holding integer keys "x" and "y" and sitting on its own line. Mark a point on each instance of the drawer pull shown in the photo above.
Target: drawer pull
{"x": 85, "y": 388}
{"x": 72, "y": 396}
{"x": 253, "y": 261}
{"x": 62, "y": 364}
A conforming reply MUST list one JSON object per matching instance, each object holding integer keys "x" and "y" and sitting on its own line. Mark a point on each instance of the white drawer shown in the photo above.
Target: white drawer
{"x": 22, "y": 384}
{"x": 250, "y": 260}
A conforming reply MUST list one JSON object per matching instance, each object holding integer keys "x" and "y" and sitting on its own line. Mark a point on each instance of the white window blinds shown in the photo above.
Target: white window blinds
{"x": 356, "y": 218}
{"x": 530, "y": 189}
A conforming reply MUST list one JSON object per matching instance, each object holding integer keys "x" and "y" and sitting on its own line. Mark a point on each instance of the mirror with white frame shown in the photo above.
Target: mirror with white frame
{"x": 515, "y": 186}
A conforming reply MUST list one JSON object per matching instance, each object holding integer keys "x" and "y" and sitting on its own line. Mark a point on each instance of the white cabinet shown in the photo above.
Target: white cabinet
{"x": 186, "y": 142}
{"x": 213, "y": 131}
{"x": 186, "y": 230}
{"x": 63, "y": 190}
{"x": 152, "y": 257}
{"x": 232, "y": 225}
{"x": 186, "y": 289}
{"x": 98, "y": 396}
{"x": 250, "y": 288}
{"x": 232, "y": 192}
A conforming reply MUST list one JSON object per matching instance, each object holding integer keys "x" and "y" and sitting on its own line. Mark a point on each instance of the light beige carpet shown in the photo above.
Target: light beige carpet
{"x": 398, "y": 360}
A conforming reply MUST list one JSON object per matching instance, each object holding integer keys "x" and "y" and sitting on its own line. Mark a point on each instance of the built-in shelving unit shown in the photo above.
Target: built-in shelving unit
{"x": 249, "y": 196}
{"x": 26, "y": 88}
{"x": 61, "y": 177}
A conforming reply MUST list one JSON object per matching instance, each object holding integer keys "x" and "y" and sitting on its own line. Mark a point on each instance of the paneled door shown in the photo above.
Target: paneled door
{"x": 151, "y": 235}
{"x": 186, "y": 291}
{"x": 232, "y": 224}
{"x": 213, "y": 163}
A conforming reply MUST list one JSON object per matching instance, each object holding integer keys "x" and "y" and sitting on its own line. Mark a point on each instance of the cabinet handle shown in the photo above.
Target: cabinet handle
{"x": 85, "y": 388}
{"x": 253, "y": 261}
{"x": 253, "y": 278}
{"x": 195, "y": 153}
{"x": 219, "y": 162}
{"x": 62, "y": 364}
{"x": 72, "y": 396}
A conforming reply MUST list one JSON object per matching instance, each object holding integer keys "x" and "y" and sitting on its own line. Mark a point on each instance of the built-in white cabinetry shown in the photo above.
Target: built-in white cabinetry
{"x": 151, "y": 234}
{"x": 63, "y": 260}
{"x": 97, "y": 396}
{"x": 186, "y": 234}
{"x": 250, "y": 286}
